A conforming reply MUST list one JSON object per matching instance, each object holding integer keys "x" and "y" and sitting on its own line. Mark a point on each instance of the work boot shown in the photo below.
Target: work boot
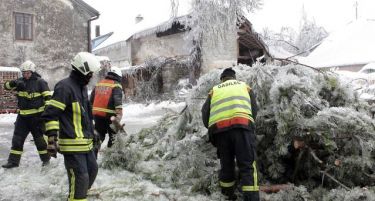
{"x": 10, "y": 165}
{"x": 229, "y": 193}
{"x": 251, "y": 196}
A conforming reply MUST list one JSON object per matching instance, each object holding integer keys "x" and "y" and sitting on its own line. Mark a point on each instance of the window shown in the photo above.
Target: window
{"x": 23, "y": 26}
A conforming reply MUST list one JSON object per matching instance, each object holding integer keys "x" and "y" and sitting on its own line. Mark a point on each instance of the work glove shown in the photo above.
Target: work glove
{"x": 96, "y": 140}
{"x": 116, "y": 126}
{"x": 52, "y": 147}
{"x": 20, "y": 84}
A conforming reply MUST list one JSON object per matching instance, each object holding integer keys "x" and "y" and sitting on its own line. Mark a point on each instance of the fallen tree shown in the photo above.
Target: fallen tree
{"x": 313, "y": 133}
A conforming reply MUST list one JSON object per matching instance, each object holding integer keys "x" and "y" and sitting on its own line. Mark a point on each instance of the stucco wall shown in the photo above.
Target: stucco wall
{"x": 118, "y": 53}
{"x": 152, "y": 46}
{"x": 219, "y": 53}
{"x": 60, "y": 31}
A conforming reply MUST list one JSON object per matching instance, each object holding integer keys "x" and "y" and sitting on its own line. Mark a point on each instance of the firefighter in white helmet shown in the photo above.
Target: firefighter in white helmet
{"x": 106, "y": 99}
{"x": 69, "y": 127}
{"x": 32, "y": 94}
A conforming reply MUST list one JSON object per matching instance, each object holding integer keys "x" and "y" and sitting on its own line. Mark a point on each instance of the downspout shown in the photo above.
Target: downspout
{"x": 89, "y": 32}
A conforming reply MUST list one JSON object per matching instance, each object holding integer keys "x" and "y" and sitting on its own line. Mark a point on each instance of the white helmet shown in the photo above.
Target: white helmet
{"x": 85, "y": 63}
{"x": 116, "y": 70}
{"x": 27, "y": 66}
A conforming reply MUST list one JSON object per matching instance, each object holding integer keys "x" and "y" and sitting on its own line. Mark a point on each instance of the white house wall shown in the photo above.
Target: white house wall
{"x": 118, "y": 53}
{"x": 219, "y": 53}
{"x": 152, "y": 46}
{"x": 59, "y": 32}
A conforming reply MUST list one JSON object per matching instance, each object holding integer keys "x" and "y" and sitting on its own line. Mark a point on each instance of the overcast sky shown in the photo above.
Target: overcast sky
{"x": 331, "y": 14}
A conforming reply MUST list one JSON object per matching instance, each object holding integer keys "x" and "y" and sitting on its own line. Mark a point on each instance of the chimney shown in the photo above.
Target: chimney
{"x": 138, "y": 19}
{"x": 97, "y": 30}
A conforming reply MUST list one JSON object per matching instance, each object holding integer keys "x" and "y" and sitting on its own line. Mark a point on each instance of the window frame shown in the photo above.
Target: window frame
{"x": 27, "y": 23}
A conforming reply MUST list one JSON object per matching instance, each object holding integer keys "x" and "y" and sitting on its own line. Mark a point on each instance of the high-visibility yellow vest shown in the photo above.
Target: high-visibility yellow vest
{"x": 230, "y": 104}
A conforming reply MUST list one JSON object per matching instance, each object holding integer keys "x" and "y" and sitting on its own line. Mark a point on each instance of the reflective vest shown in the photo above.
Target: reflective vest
{"x": 103, "y": 93}
{"x": 230, "y": 105}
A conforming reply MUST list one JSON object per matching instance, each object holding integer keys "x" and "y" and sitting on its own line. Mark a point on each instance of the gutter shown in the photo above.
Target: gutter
{"x": 89, "y": 32}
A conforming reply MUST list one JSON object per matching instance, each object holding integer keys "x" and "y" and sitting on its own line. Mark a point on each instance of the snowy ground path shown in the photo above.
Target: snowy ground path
{"x": 32, "y": 182}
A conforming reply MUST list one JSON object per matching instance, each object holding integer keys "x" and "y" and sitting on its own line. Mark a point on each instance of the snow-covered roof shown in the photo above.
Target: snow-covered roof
{"x": 9, "y": 69}
{"x": 368, "y": 68}
{"x": 350, "y": 45}
{"x": 151, "y": 23}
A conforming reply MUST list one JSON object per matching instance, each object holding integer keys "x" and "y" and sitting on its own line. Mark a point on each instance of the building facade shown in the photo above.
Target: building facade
{"x": 47, "y": 32}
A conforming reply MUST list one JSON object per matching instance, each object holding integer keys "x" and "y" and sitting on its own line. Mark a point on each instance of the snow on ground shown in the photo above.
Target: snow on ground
{"x": 32, "y": 182}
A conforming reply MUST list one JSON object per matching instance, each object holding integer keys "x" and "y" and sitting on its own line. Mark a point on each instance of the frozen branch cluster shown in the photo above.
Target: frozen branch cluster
{"x": 294, "y": 102}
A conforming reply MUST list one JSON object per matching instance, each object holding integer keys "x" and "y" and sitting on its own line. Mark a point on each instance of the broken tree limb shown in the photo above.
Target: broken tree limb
{"x": 335, "y": 180}
{"x": 314, "y": 156}
{"x": 275, "y": 188}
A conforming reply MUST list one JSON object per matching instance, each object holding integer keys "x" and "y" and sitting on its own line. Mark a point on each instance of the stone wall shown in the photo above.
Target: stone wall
{"x": 59, "y": 32}
{"x": 152, "y": 47}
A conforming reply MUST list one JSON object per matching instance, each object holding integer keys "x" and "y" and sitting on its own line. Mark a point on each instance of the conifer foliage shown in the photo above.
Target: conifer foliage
{"x": 295, "y": 103}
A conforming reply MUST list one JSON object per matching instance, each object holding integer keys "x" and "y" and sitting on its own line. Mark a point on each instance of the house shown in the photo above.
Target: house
{"x": 348, "y": 48}
{"x": 48, "y": 32}
{"x": 168, "y": 40}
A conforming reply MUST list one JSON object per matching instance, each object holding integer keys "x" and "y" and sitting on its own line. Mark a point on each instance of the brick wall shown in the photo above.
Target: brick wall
{"x": 8, "y": 100}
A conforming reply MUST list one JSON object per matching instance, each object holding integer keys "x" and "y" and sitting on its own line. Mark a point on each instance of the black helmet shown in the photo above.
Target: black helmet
{"x": 228, "y": 72}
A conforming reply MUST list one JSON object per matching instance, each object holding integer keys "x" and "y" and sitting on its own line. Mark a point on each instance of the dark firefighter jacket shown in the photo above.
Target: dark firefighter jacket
{"x": 32, "y": 94}
{"x": 69, "y": 112}
{"x": 206, "y": 108}
{"x": 107, "y": 96}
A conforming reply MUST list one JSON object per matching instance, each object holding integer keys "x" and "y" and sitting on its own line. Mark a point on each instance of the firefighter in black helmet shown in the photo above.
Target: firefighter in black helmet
{"x": 229, "y": 113}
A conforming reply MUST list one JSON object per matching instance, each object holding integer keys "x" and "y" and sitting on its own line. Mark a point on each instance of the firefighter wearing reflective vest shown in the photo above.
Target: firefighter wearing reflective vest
{"x": 106, "y": 99}
{"x": 32, "y": 94}
{"x": 69, "y": 127}
{"x": 229, "y": 113}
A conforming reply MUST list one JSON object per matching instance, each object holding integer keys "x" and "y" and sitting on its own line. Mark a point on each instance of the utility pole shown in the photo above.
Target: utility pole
{"x": 356, "y": 10}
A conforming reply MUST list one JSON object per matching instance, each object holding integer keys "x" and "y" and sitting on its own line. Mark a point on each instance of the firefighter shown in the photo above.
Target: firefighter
{"x": 68, "y": 120}
{"x": 229, "y": 113}
{"x": 32, "y": 94}
{"x": 106, "y": 99}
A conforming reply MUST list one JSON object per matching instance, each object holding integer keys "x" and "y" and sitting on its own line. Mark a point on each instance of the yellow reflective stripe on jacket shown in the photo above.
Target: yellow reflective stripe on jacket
{"x": 16, "y": 152}
{"x": 109, "y": 85}
{"x": 78, "y": 148}
{"x": 28, "y": 95}
{"x": 255, "y": 177}
{"x": 77, "y": 119}
{"x": 74, "y": 141}
{"x": 56, "y": 103}
{"x": 103, "y": 110}
{"x": 46, "y": 93}
{"x": 227, "y": 184}
{"x": 7, "y": 86}
{"x": 32, "y": 111}
{"x": 52, "y": 125}
{"x": 230, "y": 99}
{"x": 42, "y": 152}
{"x": 119, "y": 107}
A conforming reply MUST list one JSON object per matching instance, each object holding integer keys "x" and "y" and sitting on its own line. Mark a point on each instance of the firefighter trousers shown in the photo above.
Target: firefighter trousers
{"x": 102, "y": 127}
{"x": 239, "y": 144}
{"x": 82, "y": 170}
{"x": 22, "y": 127}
